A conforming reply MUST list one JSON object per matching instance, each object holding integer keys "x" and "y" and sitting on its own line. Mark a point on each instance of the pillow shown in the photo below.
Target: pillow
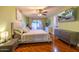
{"x": 25, "y": 30}
{"x": 19, "y": 30}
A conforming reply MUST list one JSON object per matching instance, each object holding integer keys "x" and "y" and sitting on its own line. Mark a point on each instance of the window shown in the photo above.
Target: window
{"x": 36, "y": 25}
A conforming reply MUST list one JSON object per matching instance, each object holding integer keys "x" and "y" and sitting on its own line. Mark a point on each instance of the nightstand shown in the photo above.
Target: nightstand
{"x": 9, "y": 46}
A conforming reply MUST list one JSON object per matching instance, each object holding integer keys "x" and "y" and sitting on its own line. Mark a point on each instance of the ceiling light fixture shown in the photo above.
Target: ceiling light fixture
{"x": 39, "y": 14}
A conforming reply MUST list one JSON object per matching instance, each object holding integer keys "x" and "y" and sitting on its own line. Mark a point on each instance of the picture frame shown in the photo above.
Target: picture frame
{"x": 67, "y": 16}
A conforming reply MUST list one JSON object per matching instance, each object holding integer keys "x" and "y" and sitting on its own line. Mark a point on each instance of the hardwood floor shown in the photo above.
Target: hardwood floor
{"x": 55, "y": 46}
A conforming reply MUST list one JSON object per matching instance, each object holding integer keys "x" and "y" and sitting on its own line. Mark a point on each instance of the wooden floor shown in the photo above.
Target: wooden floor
{"x": 55, "y": 46}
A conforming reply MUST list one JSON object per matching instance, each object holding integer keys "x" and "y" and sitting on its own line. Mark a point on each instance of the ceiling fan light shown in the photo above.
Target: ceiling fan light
{"x": 39, "y": 14}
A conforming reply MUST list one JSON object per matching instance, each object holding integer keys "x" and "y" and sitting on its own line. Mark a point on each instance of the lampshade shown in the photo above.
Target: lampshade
{"x": 4, "y": 35}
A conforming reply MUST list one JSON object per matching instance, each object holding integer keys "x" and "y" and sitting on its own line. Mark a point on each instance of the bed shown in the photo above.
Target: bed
{"x": 31, "y": 36}
{"x": 34, "y": 36}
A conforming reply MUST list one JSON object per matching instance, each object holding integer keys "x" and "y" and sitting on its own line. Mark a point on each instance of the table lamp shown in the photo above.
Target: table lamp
{"x": 4, "y": 35}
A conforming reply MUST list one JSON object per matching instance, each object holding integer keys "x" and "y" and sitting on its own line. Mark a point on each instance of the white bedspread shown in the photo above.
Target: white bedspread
{"x": 35, "y": 32}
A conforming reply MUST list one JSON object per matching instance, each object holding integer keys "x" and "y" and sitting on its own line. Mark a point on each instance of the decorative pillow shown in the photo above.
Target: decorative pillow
{"x": 25, "y": 30}
{"x": 19, "y": 30}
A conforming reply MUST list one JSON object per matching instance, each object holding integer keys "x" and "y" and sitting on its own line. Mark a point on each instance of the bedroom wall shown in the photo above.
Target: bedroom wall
{"x": 51, "y": 24}
{"x": 27, "y": 20}
{"x": 44, "y": 21}
{"x": 23, "y": 20}
{"x": 74, "y": 25}
{"x": 7, "y": 15}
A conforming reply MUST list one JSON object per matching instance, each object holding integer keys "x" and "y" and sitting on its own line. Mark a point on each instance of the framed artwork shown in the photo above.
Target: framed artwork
{"x": 67, "y": 15}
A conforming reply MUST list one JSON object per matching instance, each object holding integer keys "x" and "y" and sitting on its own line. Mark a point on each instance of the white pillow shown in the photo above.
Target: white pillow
{"x": 25, "y": 30}
{"x": 19, "y": 30}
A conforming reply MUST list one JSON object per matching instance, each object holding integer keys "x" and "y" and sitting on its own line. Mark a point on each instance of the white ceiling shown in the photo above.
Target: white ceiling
{"x": 31, "y": 11}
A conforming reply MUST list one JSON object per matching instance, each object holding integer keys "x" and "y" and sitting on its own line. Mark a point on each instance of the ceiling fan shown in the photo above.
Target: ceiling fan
{"x": 42, "y": 12}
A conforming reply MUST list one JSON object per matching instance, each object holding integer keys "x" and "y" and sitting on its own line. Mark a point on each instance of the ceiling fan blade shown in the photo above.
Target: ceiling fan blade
{"x": 44, "y": 11}
{"x": 40, "y": 10}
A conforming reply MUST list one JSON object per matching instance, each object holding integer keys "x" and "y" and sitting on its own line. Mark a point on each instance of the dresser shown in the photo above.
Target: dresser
{"x": 70, "y": 37}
